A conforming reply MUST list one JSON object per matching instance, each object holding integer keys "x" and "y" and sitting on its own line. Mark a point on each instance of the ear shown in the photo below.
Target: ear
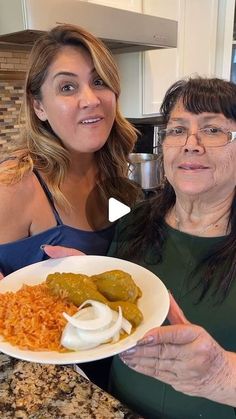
{"x": 39, "y": 110}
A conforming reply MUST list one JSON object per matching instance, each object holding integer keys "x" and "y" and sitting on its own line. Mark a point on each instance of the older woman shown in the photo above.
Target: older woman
{"x": 187, "y": 236}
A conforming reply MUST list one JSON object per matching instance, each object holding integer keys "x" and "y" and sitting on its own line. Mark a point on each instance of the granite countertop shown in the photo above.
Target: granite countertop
{"x": 40, "y": 391}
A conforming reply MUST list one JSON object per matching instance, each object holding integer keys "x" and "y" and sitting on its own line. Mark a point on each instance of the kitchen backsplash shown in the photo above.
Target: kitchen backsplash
{"x": 13, "y": 65}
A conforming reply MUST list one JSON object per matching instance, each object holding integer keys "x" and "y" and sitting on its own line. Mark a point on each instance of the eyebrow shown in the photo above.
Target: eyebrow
{"x": 203, "y": 118}
{"x": 210, "y": 117}
{"x": 64, "y": 73}
{"x": 70, "y": 74}
{"x": 177, "y": 119}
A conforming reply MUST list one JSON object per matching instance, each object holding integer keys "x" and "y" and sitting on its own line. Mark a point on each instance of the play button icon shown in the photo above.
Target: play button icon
{"x": 116, "y": 209}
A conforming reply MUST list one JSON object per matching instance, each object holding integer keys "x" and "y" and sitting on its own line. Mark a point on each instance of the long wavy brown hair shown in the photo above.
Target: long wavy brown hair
{"x": 146, "y": 226}
{"x": 40, "y": 148}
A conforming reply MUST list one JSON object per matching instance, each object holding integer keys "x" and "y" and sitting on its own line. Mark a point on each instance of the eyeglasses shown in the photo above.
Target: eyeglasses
{"x": 208, "y": 137}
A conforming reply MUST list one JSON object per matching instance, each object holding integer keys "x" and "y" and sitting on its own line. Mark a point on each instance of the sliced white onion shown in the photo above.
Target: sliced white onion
{"x": 71, "y": 340}
{"x": 108, "y": 324}
{"x": 101, "y": 335}
{"x": 125, "y": 325}
{"x": 87, "y": 319}
{"x": 116, "y": 337}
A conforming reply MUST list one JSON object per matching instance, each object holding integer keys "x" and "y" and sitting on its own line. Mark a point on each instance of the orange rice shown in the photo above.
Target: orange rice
{"x": 31, "y": 318}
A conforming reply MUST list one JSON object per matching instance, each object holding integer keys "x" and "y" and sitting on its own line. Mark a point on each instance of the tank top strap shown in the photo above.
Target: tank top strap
{"x": 49, "y": 197}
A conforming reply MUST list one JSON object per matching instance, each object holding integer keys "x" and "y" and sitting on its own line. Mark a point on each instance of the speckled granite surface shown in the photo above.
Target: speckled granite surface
{"x": 37, "y": 391}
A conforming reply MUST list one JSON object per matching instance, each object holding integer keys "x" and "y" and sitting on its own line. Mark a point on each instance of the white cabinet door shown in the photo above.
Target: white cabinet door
{"x": 132, "y": 5}
{"x": 160, "y": 67}
{"x": 198, "y": 46}
{"x": 195, "y": 53}
{"x": 131, "y": 78}
{"x": 225, "y": 30}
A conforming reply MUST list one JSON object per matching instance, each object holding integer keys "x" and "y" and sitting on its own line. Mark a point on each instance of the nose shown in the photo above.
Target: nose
{"x": 88, "y": 98}
{"x": 193, "y": 144}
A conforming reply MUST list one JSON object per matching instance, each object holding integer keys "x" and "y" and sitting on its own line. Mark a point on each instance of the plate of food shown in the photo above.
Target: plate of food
{"x": 78, "y": 309}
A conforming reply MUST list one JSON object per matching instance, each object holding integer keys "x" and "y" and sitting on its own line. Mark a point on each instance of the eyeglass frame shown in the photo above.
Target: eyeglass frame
{"x": 231, "y": 138}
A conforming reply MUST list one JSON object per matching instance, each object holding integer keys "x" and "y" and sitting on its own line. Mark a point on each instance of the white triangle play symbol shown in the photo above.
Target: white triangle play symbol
{"x": 116, "y": 209}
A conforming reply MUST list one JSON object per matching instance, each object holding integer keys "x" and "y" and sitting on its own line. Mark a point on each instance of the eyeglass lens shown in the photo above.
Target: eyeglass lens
{"x": 169, "y": 138}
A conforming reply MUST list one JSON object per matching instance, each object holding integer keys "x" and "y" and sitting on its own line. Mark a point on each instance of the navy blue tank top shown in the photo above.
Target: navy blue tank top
{"x": 23, "y": 252}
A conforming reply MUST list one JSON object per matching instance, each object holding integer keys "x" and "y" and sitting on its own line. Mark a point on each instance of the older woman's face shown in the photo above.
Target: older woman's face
{"x": 193, "y": 169}
{"x": 79, "y": 107}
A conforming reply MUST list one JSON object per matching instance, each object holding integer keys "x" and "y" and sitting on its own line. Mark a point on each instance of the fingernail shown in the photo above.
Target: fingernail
{"x": 146, "y": 340}
{"x": 129, "y": 352}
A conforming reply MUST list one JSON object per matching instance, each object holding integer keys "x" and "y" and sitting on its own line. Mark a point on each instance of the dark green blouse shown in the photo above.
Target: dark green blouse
{"x": 148, "y": 396}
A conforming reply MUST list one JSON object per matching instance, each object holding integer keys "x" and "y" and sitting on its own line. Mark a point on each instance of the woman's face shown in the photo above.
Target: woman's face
{"x": 79, "y": 107}
{"x": 195, "y": 170}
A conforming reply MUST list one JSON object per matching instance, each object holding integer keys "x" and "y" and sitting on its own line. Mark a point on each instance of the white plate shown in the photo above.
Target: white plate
{"x": 154, "y": 304}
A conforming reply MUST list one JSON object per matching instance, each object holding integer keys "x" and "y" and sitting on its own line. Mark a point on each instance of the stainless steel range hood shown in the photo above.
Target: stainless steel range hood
{"x": 22, "y": 21}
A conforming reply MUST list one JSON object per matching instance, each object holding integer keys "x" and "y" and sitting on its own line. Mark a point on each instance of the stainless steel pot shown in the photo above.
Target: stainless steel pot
{"x": 143, "y": 170}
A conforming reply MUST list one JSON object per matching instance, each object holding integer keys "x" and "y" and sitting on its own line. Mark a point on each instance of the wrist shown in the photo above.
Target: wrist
{"x": 225, "y": 384}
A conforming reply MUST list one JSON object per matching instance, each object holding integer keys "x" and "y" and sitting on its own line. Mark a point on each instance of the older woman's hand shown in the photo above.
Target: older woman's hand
{"x": 186, "y": 357}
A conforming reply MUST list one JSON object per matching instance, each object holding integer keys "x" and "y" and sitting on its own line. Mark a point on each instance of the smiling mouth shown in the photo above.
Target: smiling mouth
{"x": 193, "y": 167}
{"x": 90, "y": 121}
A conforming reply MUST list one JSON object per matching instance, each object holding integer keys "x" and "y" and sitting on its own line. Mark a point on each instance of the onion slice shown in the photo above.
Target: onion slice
{"x": 72, "y": 341}
{"x": 101, "y": 318}
{"x": 91, "y": 336}
{"x": 91, "y": 326}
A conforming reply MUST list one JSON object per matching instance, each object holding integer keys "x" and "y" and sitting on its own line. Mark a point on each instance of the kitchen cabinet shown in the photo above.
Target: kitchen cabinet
{"x": 160, "y": 67}
{"x": 225, "y": 66}
{"x": 131, "y": 5}
{"x": 154, "y": 71}
{"x": 233, "y": 55}
{"x": 195, "y": 54}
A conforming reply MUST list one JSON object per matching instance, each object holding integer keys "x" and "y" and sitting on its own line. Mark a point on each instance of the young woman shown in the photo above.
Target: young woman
{"x": 71, "y": 157}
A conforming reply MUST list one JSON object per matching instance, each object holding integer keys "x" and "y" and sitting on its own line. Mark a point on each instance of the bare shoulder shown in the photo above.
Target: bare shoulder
{"x": 16, "y": 194}
{"x": 15, "y": 208}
